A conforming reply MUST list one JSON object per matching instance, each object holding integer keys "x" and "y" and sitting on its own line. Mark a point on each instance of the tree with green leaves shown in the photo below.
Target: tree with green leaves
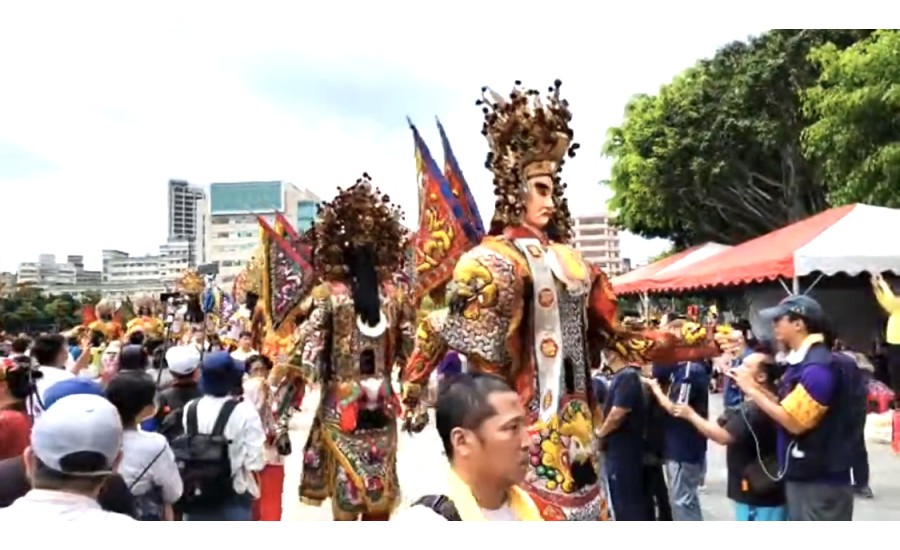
{"x": 716, "y": 154}
{"x": 27, "y": 309}
{"x": 855, "y": 136}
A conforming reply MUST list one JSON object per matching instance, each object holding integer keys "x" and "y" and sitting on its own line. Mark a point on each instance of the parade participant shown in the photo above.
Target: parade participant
{"x": 525, "y": 305}
{"x": 189, "y": 318}
{"x": 622, "y": 433}
{"x": 262, "y": 395}
{"x": 103, "y": 328}
{"x": 249, "y": 316}
{"x": 244, "y": 347}
{"x": 354, "y": 334}
{"x": 483, "y": 429}
{"x": 147, "y": 321}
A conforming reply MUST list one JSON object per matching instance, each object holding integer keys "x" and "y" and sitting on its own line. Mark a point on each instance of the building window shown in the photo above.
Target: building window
{"x": 306, "y": 215}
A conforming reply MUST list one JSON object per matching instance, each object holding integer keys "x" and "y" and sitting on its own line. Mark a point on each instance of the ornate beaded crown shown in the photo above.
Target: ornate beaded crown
{"x": 528, "y": 136}
{"x": 359, "y": 215}
{"x": 191, "y": 282}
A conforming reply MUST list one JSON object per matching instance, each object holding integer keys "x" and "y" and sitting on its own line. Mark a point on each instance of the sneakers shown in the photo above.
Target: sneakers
{"x": 864, "y": 492}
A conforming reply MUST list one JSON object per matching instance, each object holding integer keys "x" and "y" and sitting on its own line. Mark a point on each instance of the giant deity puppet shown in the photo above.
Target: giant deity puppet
{"x": 147, "y": 320}
{"x": 525, "y": 305}
{"x": 356, "y": 331}
{"x": 249, "y": 315}
{"x": 103, "y": 325}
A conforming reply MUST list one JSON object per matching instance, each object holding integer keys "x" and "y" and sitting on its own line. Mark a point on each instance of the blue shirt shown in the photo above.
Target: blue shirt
{"x": 627, "y": 441}
{"x": 681, "y": 441}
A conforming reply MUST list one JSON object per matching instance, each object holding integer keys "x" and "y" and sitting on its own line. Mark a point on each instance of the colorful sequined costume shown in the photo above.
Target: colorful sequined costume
{"x": 526, "y": 306}
{"x": 103, "y": 325}
{"x": 357, "y": 329}
{"x": 147, "y": 320}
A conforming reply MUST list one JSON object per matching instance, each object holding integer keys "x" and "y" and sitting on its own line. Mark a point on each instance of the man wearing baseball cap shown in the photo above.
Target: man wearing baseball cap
{"x": 220, "y": 377}
{"x": 183, "y": 362}
{"x": 75, "y": 446}
{"x": 819, "y": 410}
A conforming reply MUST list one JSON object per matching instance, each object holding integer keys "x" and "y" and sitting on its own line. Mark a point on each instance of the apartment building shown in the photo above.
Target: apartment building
{"x": 48, "y": 273}
{"x": 160, "y": 269}
{"x": 186, "y": 217}
{"x": 598, "y": 242}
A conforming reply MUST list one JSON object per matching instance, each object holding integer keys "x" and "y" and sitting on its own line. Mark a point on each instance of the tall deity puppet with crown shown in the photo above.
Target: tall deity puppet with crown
{"x": 356, "y": 329}
{"x": 524, "y": 304}
{"x": 147, "y": 321}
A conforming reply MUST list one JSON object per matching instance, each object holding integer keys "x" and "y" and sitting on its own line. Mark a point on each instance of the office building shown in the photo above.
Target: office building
{"x": 183, "y": 211}
{"x": 598, "y": 242}
{"x": 186, "y": 217}
{"x": 232, "y": 230}
{"x": 162, "y": 268}
{"x": 50, "y": 274}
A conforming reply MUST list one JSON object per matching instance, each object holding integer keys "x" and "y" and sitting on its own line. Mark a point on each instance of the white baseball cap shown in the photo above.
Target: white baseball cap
{"x": 80, "y": 435}
{"x": 183, "y": 360}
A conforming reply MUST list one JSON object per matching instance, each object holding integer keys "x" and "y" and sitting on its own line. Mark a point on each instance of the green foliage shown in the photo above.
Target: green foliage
{"x": 856, "y": 108}
{"x": 716, "y": 154}
{"x": 663, "y": 255}
{"x": 28, "y": 310}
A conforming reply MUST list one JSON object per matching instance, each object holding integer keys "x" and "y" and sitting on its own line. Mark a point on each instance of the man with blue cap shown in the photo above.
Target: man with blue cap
{"x": 819, "y": 410}
{"x": 241, "y": 427}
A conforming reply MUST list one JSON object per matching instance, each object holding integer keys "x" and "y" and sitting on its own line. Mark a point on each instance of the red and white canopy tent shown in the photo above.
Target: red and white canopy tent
{"x": 640, "y": 279}
{"x": 850, "y": 239}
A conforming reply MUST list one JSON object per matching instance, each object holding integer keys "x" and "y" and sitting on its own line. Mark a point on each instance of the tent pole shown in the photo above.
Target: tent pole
{"x": 814, "y": 283}
{"x": 784, "y": 285}
{"x": 795, "y": 286}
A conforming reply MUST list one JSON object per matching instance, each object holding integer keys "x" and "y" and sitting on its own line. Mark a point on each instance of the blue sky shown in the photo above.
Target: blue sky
{"x": 101, "y": 104}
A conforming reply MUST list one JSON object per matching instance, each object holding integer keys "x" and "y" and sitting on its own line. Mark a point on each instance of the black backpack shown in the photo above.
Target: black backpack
{"x": 203, "y": 460}
{"x": 441, "y": 505}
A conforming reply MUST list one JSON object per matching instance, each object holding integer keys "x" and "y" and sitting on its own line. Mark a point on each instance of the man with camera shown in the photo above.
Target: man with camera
{"x": 819, "y": 410}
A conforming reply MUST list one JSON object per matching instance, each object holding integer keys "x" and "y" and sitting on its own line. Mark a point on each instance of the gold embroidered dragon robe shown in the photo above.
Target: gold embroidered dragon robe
{"x": 351, "y": 453}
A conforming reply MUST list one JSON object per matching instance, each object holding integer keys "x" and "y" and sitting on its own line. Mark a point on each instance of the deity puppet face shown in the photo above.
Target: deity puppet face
{"x": 539, "y": 203}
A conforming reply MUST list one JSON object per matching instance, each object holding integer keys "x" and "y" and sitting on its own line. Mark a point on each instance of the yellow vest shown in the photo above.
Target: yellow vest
{"x": 521, "y": 504}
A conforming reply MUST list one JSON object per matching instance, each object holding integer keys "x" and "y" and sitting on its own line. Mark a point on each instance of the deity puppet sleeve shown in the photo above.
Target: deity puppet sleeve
{"x": 312, "y": 335}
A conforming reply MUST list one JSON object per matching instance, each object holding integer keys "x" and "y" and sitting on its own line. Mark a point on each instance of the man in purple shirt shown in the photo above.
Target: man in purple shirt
{"x": 818, "y": 411}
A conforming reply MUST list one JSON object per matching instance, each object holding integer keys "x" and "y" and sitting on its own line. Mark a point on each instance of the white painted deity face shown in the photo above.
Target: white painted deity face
{"x": 539, "y": 205}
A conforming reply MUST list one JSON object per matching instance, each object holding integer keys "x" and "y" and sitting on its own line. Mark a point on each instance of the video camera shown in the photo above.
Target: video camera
{"x": 21, "y": 376}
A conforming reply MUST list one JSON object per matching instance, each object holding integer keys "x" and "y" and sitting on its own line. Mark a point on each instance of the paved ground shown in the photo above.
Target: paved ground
{"x": 422, "y": 470}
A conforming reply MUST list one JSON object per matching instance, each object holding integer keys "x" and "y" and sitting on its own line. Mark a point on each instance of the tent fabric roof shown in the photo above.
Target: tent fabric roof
{"x": 843, "y": 239}
{"x": 636, "y": 280}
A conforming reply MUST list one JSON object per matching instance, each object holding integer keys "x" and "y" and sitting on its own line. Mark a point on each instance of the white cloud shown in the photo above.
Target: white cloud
{"x": 120, "y": 100}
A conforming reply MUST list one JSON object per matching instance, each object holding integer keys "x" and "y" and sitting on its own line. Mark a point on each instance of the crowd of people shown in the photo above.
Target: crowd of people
{"x": 195, "y": 444}
{"x": 792, "y": 426}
